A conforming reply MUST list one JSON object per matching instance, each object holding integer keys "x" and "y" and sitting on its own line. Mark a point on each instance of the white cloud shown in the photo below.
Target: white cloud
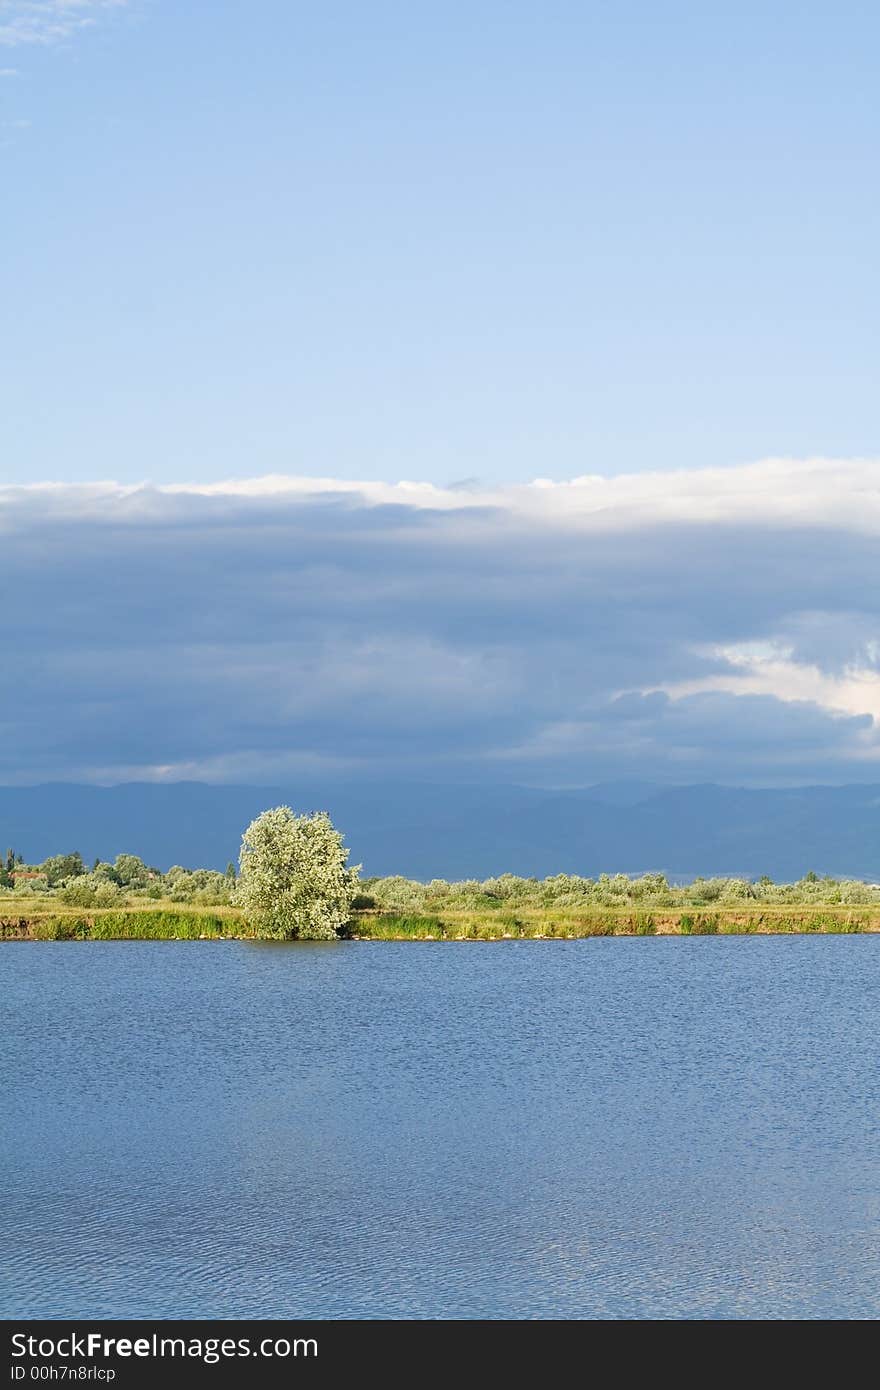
{"x": 771, "y": 492}
{"x": 48, "y": 21}
{"x": 784, "y": 494}
{"x": 769, "y": 671}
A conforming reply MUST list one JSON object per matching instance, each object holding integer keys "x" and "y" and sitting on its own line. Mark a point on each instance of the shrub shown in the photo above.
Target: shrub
{"x": 397, "y": 894}
{"x": 89, "y": 890}
{"x": 31, "y": 887}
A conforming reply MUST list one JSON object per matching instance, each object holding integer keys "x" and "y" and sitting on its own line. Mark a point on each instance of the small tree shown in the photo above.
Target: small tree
{"x": 294, "y": 881}
{"x": 131, "y": 871}
{"x": 61, "y": 866}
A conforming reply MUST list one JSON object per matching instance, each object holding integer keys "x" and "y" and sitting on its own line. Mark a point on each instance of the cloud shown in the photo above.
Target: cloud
{"x": 783, "y": 494}
{"x": 48, "y": 21}
{"x": 712, "y": 624}
{"x": 773, "y": 672}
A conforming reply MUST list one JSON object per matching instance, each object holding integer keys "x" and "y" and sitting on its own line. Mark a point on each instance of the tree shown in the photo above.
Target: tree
{"x": 130, "y": 871}
{"x": 106, "y": 871}
{"x": 62, "y": 866}
{"x": 294, "y": 880}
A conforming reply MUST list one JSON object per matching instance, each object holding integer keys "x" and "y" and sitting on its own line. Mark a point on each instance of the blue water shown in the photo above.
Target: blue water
{"x": 589, "y": 1129}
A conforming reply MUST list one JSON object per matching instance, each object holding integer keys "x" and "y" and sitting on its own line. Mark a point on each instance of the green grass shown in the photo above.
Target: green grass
{"x": 389, "y": 926}
{"x": 130, "y": 926}
{"x": 44, "y": 919}
{"x": 39, "y": 920}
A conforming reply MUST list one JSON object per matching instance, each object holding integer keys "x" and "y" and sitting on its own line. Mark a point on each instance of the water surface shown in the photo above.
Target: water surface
{"x": 609, "y": 1128}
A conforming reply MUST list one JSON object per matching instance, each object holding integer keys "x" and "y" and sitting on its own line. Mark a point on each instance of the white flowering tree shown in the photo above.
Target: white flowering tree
{"x": 294, "y": 881}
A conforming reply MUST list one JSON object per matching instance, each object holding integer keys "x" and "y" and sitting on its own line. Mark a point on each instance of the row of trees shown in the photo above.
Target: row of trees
{"x": 399, "y": 894}
{"x": 66, "y": 877}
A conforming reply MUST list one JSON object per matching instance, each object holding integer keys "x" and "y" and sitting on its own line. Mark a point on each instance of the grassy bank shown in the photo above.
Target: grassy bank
{"x": 35, "y": 920}
{"x": 162, "y": 922}
{"x": 542, "y": 925}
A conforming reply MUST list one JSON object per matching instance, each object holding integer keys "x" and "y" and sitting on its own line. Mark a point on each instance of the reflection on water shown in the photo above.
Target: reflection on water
{"x": 604, "y": 1128}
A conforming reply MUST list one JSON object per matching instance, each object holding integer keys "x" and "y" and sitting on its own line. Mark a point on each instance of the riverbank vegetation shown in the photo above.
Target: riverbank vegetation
{"x": 32, "y": 920}
{"x": 295, "y": 883}
{"x": 127, "y": 900}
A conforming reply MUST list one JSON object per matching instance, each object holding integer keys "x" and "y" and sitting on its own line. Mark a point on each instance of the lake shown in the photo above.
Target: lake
{"x": 610, "y": 1128}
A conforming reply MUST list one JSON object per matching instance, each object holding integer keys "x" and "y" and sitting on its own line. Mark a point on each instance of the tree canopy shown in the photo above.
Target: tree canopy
{"x": 294, "y": 881}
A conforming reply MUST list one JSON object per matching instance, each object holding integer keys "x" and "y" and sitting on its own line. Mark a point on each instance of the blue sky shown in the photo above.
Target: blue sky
{"x": 628, "y": 250}
{"x": 435, "y": 241}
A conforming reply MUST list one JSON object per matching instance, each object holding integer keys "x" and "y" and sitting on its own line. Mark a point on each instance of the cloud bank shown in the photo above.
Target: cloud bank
{"x": 684, "y": 626}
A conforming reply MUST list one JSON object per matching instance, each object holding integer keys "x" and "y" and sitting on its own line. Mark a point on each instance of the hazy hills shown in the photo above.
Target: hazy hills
{"x": 458, "y": 832}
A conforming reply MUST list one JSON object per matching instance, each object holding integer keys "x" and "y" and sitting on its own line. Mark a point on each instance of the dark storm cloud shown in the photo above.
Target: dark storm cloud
{"x": 552, "y": 635}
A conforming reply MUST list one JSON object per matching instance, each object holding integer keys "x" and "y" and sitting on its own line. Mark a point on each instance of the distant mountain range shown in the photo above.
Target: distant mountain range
{"x": 427, "y": 831}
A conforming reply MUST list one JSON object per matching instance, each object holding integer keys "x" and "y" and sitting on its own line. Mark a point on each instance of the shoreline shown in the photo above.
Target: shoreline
{"x": 225, "y": 924}
{"x": 418, "y": 941}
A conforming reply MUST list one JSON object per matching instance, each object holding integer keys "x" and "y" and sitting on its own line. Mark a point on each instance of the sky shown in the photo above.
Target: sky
{"x": 481, "y": 391}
